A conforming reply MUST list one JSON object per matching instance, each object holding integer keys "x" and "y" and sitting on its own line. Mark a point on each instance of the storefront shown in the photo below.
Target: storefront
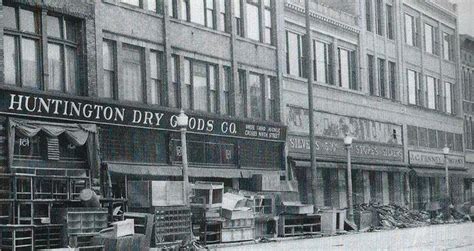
{"x": 141, "y": 142}
{"x": 428, "y": 178}
{"x": 378, "y": 168}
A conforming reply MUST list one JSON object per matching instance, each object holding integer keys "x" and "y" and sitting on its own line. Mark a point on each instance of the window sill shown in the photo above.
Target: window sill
{"x": 329, "y": 86}
{"x": 412, "y": 46}
{"x": 134, "y": 8}
{"x": 426, "y": 109}
{"x": 256, "y": 42}
{"x": 383, "y": 99}
{"x": 199, "y": 26}
{"x": 449, "y": 61}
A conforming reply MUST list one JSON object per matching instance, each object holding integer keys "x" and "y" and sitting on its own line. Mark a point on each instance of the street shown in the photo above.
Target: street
{"x": 435, "y": 237}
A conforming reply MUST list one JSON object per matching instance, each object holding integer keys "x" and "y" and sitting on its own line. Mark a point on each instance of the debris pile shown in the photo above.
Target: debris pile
{"x": 394, "y": 216}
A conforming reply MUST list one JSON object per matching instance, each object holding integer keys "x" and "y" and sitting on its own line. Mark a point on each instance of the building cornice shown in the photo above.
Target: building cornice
{"x": 320, "y": 17}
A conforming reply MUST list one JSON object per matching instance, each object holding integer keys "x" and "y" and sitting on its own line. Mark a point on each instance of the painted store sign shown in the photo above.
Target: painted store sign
{"x": 336, "y": 148}
{"x": 36, "y": 105}
{"x": 434, "y": 159}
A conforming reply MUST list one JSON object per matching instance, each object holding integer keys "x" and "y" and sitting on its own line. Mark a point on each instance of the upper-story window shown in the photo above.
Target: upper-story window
{"x": 449, "y": 97}
{"x": 413, "y": 87}
{"x": 347, "y": 69}
{"x": 294, "y": 54}
{"x": 201, "y": 84}
{"x": 223, "y": 15}
{"x": 368, "y": 14}
{"x": 109, "y": 66}
{"x": 381, "y": 78}
{"x": 448, "y": 47}
{"x": 322, "y": 63}
{"x": 226, "y": 91}
{"x": 256, "y": 91}
{"x": 431, "y": 92}
{"x": 253, "y": 20}
{"x": 390, "y": 22}
{"x": 238, "y": 18}
{"x": 379, "y": 17}
{"x": 151, "y": 5}
{"x": 411, "y": 30}
{"x": 371, "y": 74}
{"x": 24, "y": 44}
{"x": 199, "y": 11}
{"x": 267, "y": 13}
{"x": 131, "y": 88}
{"x": 156, "y": 85}
{"x": 431, "y": 39}
{"x": 271, "y": 93}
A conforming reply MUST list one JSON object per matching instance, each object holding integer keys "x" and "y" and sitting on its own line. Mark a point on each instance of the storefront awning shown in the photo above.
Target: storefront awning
{"x": 307, "y": 164}
{"x": 169, "y": 170}
{"x": 425, "y": 172}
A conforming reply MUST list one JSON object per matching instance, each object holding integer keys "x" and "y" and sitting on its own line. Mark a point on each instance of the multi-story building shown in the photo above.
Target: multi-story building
{"x": 388, "y": 75}
{"x": 91, "y": 89}
{"x": 467, "y": 72}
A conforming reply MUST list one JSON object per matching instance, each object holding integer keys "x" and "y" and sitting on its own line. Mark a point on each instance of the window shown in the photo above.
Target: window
{"x": 213, "y": 90}
{"x": 256, "y": 96}
{"x": 390, "y": 24}
{"x": 382, "y": 83}
{"x": 430, "y": 39}
{"x": 22, "y": 48}
{"x": 173, "y": 8}
{"x": 267, "y": 12}
{"x": 156, "y": 6}
{"x": 413, "y": 87}
{"x": 210, "y": 13}
{"x": 253, "y": 20}
{"x": 201, "y": 86}
{"x": 238, "y": 17}
{"x": 108, "y": 63}
{"x": 322, "y": 65}
{"x": 225, "y": 108}
{"x": 156, "y": 84}
{"x": 449, "y": 97}
{"x": 294, "y": 54}
{"x": 392, "y": 78}
{"x": 441, "y": 139}
{"x": 447, "y": 46}
{"x": 368, "y": 14}
{"x": 410, "y": 30}
{"x": 223, "y": 15}
{"x": 271, "y": 97}
{"x": 199, "y": 11}
{"x": 62, "y": 54}
{"x": 24, "y": 45}
{"x": 379, "y": 17}
{"x": 243, "y": 92}
{"x": 347, "y": 69}
{"x": 431, "y": 92}
{"x": 370, "y": 74}
{"x": 412, "y": 135}
{"x": 132, "y": 73}
{"x": 174, "y": 98}
{"x": 199, "y": 78}
{"x": 188, "y": 88}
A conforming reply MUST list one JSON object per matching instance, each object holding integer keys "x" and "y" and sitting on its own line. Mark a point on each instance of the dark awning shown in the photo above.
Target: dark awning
{"x": 307, "y": 164}
{"x": 426, "y": 172}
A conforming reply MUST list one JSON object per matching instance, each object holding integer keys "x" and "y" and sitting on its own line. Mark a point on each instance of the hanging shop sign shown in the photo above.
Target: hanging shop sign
{"x": 21, "y": 103}
{"x": 429, "y": 159}
{"x": 335, "y": 148}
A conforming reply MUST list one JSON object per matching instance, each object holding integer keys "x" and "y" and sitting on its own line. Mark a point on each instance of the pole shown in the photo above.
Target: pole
{"x": 184, "y": 155}
{"x": 349, "y": 185}
{"x": 447, "y": 177}
{"x": 309, "y": 75}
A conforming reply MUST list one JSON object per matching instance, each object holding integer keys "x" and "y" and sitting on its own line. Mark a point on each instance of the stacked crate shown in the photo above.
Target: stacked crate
{"x": 299, "y": 224}
{"x": 242, "y": 229}
{"x": 172, "y": 225}
{"x": 266, "y": 219}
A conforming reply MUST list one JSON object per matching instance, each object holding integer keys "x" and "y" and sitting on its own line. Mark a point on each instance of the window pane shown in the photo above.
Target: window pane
{"x": 321, "y": 62}
{"x": 187, "y": 82}
{"x": 152, "y": 5}
{"x": 109, "y": 68}
{"x": 237, "y": 8}
{"x": 411, "y": 87}
{"x": 253, "y": 22}
{"x": 9, "y": 17}
{"x": 441, "y": 139}
{"x": 409, "y": 30}
{"x": 132, "y": 73}
{"x": 199, "y": 86}
{"x": 55, "y": 64}
{"x": 446, "y": 46}
{"x": 54, "y": 27}
{"x": 256, "y": 98}
{"x": 382, "y": 83}
{"x": 131, "y": 2}
{"x": 293, "y": 54}
{"x": 155, "y": 72}
{"x": 71, "y": 70}
{"x": 212, "y": 88}
{"x": 430, "y": 90}
{"x": 28, "y": 21}
{"x": 11, "y": 59}
{"x": 448, "y": 98}
{"x": 428, "y": 38}
{"x": 72, "y": 29}
{"x": 344, "y": 70}
{"x": 30, "y": 63}
{"x": 197, "y": 11}
{"x": 268, "y": 26}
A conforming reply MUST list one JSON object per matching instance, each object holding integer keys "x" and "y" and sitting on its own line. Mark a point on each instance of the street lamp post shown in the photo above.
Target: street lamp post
{"x": 445, "y": 153}
{"x": 348, "y": 145}
{"x": 182, "y": 121}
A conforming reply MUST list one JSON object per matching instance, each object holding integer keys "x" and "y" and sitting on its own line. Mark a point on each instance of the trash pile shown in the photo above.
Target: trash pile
{"x": 394, "y": 216}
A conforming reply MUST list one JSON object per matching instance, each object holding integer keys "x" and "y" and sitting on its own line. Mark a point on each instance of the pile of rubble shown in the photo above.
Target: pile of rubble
{"x": 394, "y": 216}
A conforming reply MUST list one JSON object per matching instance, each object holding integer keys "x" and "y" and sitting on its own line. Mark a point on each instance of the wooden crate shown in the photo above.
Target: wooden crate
{"x": 238, "y": 223}
{"x": 172, "y": 224}
{"x": 238, "y": 234}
